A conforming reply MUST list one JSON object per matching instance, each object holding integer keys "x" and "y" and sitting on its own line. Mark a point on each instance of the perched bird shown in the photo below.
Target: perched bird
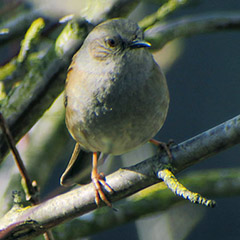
{"x": 116, "y": 96}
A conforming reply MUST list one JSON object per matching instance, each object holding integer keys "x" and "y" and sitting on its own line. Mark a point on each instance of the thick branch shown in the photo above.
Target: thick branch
{"x": 214, "y": 183}
{"x": 39, "y": 88}
{"x": 125, "y": 182}
{"x": 160, "y": 34}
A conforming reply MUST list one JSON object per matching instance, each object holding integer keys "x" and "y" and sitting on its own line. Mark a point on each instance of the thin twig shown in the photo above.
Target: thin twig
{"x": 31, "y": 189}
{"x": 48, "y": 235}
{"x": 161, "y": 13}
{"x": 162, "y": 33}
{"x": 176, "y": 187}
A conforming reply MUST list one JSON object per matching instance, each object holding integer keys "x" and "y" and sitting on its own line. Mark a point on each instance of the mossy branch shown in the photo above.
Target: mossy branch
{"x": 32, "y": 33}
{"x": 161, "y": 13}
{"x": 17, "y": 26}
{"x": 26, "y": 103}
{"x": 176, "y": 187}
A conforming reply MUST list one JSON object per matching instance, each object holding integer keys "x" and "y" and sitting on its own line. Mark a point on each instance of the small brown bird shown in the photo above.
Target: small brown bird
{"x": 116, "y": 96}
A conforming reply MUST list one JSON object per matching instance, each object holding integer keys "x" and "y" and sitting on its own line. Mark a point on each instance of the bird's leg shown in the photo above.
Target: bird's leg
{"x": 163, "y": 145}
{"x": 99, "y": 181}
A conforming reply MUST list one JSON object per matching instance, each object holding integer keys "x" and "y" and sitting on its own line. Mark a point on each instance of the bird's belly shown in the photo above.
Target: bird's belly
{"x": 118, "y": 112}
{"x": 115, "y": 128}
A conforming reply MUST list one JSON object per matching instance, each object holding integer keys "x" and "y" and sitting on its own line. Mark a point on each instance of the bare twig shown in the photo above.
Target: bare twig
{"x": 31, "y": 191}
{"x": 162, "y": 33}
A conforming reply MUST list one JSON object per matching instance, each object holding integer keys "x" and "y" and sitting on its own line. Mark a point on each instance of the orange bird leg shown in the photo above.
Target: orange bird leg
{"x": 99, "y": 181}
{"x": 163, "y": 145}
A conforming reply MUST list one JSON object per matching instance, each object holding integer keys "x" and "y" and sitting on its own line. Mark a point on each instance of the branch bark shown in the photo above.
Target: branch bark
{"x": 162, "y": 33}
{"x": 214, "y": 183}
{"x": 32, "y": 221}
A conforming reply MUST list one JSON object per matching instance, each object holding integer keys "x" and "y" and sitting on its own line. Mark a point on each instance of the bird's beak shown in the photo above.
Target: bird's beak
{"x": 139, "y": 44}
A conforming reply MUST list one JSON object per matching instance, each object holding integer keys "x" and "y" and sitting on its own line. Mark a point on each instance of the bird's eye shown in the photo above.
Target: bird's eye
{"x": 111, "y": 42}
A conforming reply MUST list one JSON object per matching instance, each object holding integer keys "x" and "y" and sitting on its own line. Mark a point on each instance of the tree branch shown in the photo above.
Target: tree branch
{"x": 160, "y": 34}
{"x": 167, "y": 8}
{"x": 125, "y": 182}
{"x": 214, "y": 183}
{"x": 39, "y": 88}
{"x": 17, "y": 26}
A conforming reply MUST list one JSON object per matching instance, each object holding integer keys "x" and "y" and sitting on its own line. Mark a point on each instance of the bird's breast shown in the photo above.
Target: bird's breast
{"x": 115, "y": 110}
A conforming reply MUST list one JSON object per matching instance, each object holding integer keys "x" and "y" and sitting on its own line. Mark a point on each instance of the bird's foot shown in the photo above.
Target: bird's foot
{"x": 164, "y": 146}
{"x": 99, "y": 182}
